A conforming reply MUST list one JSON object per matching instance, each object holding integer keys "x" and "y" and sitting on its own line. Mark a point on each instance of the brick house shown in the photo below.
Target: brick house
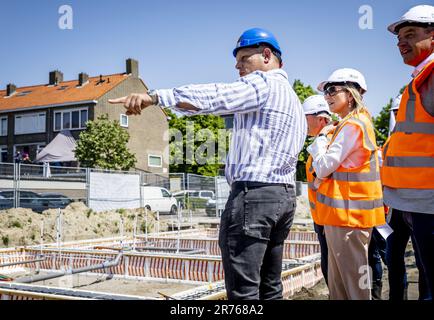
{"x": 30, "y": 117}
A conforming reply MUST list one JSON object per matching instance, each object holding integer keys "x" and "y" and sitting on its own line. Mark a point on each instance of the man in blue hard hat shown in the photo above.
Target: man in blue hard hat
{"x": 268, "y": 133}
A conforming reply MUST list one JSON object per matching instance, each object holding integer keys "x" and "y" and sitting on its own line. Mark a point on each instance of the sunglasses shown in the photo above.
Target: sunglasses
{"x": 333, "y": 90}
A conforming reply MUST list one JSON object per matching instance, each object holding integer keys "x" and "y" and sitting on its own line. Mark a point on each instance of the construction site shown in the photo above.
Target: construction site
{"x": 180, "y": 264}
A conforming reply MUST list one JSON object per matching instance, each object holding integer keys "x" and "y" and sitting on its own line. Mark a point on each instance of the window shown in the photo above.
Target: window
{"x": 30, "y": 123}
{"x": 70, "y": 119}
{"x": 207, "y": 194}
{"x": 124, "y": 121}
{"x": 3, "y": 126}
{"x": 154, "y": 161}
{"x": 83, "y": 118}
{"x": 165, "y": 193}
{"x": 3, "y": 154}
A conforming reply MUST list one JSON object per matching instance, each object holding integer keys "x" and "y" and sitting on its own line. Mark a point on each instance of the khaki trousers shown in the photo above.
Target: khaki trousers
{"x": 349, "y": 275}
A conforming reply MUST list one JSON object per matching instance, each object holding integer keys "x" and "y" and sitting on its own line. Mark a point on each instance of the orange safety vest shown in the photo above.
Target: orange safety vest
{"x": 409, "y": 152}
{"x": 311, "y": 190}
{"x": 353, "y": 197}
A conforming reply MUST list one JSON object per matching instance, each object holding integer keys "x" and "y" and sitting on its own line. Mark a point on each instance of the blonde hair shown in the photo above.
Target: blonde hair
{"x": 358, "y": 106}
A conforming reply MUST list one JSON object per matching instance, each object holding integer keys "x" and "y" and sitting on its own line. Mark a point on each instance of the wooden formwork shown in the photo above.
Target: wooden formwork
{"x": 205, "y": 268}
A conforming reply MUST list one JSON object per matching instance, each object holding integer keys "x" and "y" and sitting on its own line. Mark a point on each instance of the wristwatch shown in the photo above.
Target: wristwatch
{"x": 154, "y": 97}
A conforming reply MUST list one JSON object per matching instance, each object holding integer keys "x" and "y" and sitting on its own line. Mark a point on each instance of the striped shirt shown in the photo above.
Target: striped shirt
{"x": 269, "y": 124}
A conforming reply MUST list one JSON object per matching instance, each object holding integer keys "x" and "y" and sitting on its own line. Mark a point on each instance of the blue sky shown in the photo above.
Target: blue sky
{"x": 191, "y": 41}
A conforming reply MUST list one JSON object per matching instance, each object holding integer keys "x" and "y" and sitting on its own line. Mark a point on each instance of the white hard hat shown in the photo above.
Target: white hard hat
{"x": 315, "y": 104}
{"x": 395, "y": 103}
{"x": 345, "y": 75}
{"x": 418, "y": 14}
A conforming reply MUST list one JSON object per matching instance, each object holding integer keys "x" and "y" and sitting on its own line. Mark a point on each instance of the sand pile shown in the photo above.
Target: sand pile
{"x": 21, "y": 227}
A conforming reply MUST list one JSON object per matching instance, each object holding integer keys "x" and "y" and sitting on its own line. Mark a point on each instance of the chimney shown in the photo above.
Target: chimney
{"x": 133, "y": 67}
{"x": 55, "y": 77}
{"x": 83, "y": 78}
{"x": 10, "y": 89}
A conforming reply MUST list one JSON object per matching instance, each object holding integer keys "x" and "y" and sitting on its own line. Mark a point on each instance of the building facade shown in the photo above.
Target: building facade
{"x": 30, "y": 117}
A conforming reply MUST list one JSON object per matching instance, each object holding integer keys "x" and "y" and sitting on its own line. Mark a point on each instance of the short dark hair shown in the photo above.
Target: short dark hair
{"x": 273, "y": 50}
{"x": 427, "y": 26}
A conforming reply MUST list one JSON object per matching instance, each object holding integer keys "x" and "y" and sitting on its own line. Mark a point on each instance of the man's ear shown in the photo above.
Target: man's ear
{"x": 267, "y": 55}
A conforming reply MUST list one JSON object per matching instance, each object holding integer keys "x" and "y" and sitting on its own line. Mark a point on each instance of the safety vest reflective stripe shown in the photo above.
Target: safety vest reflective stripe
{"x": 372, "y": 175}
{"x": 368, "y": 142}
{"x": 411, "y": 104}
{"x": 410, "y": 162}
{"x": 312, "y": 205}
{"x": 409, "y": 126}
{"x": 414, "y": 127}
{"x": 311, "y": 186}
{"x": 350, "y": 204}
{"x": 356, "y": 177}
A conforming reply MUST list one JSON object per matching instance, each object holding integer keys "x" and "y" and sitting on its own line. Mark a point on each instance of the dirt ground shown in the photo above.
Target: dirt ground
{"x": 22, "y": 227}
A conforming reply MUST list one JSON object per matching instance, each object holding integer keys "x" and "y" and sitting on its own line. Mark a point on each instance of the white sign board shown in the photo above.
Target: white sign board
{"x": 108, "y": 191}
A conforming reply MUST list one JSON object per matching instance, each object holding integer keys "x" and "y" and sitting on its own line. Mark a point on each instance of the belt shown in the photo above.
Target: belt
{"x": 246, "y": 185}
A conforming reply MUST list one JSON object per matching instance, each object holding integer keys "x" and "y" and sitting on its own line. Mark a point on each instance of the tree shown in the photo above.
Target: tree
{"x": 104, "y": 145}
{"x": 303, "y": 92}
{"x": 381, "y": 122}
{"x": 205, "y": 160}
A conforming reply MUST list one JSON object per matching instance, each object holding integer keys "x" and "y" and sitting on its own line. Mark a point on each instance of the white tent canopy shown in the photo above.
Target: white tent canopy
{"x": 60, "y": 149}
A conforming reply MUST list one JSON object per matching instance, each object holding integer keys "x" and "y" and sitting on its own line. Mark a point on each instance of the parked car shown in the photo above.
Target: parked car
{"x": 159, "y": 199}
{"x": 28, "y": 199}
{"x": 211, "y": 208}
{"x": 55, "y": 200}
{"x": 196, "y": 198}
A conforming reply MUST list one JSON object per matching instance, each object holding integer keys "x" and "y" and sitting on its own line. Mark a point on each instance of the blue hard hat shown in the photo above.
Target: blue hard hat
{"x": 256, "y": 36}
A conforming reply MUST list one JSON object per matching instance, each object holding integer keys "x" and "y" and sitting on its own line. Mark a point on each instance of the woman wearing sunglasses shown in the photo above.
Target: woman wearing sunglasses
{"x": 349, "y": 198}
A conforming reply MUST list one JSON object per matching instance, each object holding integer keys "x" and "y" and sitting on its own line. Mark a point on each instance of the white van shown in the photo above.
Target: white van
{"x": 158, "y": 199}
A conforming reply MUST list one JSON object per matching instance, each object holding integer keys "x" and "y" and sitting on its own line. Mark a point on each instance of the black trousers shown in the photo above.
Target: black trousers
{"x": 420, "y": 227}
{"x": 253, "y": 228}
{"x": 376, "y": 253}
{"x": 324, "y": 250}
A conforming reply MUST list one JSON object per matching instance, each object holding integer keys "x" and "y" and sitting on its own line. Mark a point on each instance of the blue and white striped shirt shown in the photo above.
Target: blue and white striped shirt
{"x": 269, "y": 124}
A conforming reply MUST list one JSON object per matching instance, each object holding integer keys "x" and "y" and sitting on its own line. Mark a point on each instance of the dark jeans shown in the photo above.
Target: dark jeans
{"x": 253, "y": 228}
{"x": 324, "y": 250}
{"x": 376, "y": 253}
{"x": 406, "y": 225}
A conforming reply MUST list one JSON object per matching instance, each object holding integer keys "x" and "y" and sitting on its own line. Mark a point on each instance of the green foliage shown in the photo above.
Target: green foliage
{"x": 303, "y": 92}
{"x": 147, "y": 226}
{"x": 5, "y": 240}
{"x": 120, "y": 211}
{"x": 104, "y": 145}
{"x": 88, "y": 213}
{"x": 16, "y": 224}
{"x": 206, "y": 128}
{"x": 381, "y": 122}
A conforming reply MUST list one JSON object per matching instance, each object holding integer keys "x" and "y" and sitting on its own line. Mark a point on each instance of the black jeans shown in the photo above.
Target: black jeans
{"x": 406, "y": 225}
{"x": 253, "y": 228}
{"x": 324, "y": 249}
{"x": 376, "y": 253}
